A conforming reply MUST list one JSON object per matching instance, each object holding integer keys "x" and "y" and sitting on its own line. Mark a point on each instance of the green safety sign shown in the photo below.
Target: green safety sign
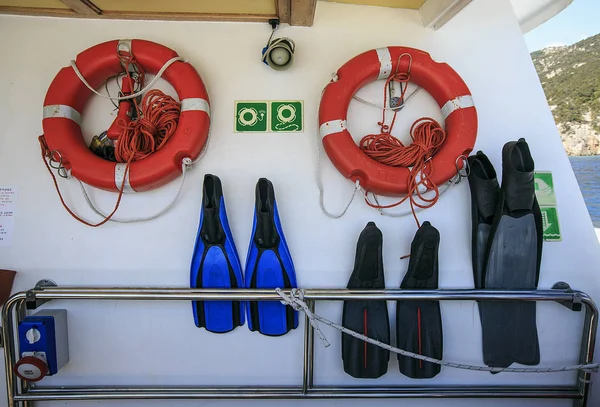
{"x": 251, "y": 116}
{"x": 544, "y": 188}
{"x": 286, "y": 116}
{"x": 261, "y": 116}
{"x": 546, "y": 197}
{"x": 550, "y": 224}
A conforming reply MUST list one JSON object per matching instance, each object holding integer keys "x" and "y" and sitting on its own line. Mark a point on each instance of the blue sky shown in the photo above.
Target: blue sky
{"x": 578, "y": 21}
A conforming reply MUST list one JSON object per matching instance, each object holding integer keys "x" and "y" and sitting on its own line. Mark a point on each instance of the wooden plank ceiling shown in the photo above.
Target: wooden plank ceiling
{"x": 294, "y": 12}
{"x": 221, "y": 10}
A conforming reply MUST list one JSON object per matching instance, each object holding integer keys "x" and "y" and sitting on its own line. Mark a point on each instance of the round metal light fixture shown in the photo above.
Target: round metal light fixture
{"x": 279, "y": 52}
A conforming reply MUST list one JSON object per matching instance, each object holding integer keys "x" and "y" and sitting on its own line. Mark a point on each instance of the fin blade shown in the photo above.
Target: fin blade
{"x": 361, "y": 359}
{"x": 419, "y": 330}
{"x": 271, "y": 317}
{"x": 219, "y": 316}
{"x": 419, "y": 323}
{"x": 510, "y": 328}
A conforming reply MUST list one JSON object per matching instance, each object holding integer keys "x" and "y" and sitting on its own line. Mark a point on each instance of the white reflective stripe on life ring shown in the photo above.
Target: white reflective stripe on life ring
{"x": 195, "y": 104}
{"x": 385, "y": 62}
{"x": 460, "y": 102}
{"x": 63, "y": 111}
{"x": 332, "y": 127}
{"x": 120, "y": 173}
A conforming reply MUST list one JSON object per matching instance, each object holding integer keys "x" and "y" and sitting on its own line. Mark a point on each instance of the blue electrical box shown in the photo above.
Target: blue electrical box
{"x": 43, "y": 344}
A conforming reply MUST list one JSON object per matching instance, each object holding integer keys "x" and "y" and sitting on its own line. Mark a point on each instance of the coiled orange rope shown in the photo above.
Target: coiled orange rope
{"x": 426, "y": 133}
{"x": 156, "y": 123}
{"x": 427, "y": 138}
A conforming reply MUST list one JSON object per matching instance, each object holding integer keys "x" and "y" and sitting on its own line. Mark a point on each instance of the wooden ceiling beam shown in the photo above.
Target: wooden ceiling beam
{"x": 302, "y": 12}
{"x": 124, "y": 15}
{"x": 283, "y": 8}
{"x": 84, "y": 7}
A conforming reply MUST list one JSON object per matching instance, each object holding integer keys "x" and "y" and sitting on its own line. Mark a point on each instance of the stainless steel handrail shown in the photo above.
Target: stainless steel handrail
{"x": 19, "y": 394}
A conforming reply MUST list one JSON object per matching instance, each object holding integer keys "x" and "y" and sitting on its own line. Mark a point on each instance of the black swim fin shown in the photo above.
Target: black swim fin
{"x": 369, "y": 317}
{"x": 419, "y": 323}
{"x": 269, "y": 265}
{"x": 485, "y": 194}
{"x": 215, "y": 263}
{"x": 513, "y": 262}
{"x": 484, "y": 198}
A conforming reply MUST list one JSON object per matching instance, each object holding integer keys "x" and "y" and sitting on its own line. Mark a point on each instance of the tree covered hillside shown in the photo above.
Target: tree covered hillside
{"x": 570, "y": 76}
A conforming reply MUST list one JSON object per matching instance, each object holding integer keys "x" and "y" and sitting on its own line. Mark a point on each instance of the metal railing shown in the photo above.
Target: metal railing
{"x": 21, "y": 394}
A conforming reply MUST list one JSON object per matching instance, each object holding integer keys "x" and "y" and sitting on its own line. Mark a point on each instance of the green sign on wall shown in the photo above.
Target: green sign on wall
{"x": 550, "y": 224}
{"x": 546, "y": 197}
{"x": 269, "y": 116}
{"x": 251, "y": 116}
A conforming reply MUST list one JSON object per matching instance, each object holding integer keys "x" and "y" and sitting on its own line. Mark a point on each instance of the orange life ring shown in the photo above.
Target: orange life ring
{"x": 67, "y": 96}
{"x": 438, "y": 79}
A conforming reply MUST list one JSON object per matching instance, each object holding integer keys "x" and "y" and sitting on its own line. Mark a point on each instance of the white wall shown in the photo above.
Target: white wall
{"x": 157, "y": 343}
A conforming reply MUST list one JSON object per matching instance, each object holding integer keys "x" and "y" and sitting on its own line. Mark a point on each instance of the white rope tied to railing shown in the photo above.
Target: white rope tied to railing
{"x": 300, "y": 305}
{"x": 296, "y": 301}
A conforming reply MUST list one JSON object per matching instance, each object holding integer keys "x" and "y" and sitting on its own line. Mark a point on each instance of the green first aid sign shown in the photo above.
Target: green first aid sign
{"x": 251, "y": 117}
{"x": 262, "y": 116}
{"x": 286, "y": 116}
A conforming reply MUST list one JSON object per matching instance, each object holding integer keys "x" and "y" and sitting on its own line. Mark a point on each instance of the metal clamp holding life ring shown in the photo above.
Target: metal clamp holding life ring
{"x": 438, "y": 79}
{"x": 67, "y": 96}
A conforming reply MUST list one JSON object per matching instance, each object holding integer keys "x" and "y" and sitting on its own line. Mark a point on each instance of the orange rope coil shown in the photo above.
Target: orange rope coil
{"x": 427, "y": 138}
{"x": 427, "y": 135}
{"x": 156, "y": 123}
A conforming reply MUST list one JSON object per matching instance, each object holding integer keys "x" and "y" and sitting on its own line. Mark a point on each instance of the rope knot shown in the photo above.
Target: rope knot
{"x": 385, "y": 129}
{"x": 296, "y": 301}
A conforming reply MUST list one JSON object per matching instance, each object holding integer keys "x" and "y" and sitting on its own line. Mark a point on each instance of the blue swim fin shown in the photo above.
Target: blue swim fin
{"x": 269, "y": 265}
{"x": 215, "y": 263}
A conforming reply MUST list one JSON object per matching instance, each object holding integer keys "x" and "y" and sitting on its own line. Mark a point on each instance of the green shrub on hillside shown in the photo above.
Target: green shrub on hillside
{"x": 570, "y": 77}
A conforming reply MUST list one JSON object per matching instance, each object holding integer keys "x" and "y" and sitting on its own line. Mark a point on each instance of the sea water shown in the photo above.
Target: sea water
{"x": 587, "y": 171}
